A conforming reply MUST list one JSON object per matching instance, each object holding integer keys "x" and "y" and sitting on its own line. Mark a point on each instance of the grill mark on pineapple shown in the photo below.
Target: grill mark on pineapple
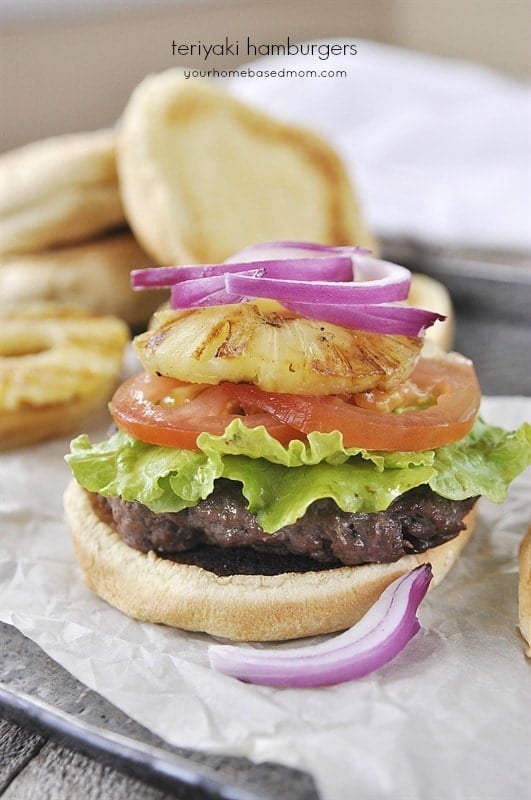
{"x": 336, "y": 362}
{"x": 274, "y": 319}
{"x": 233, "y": 346}
{"x": 152, "y": 341}
{"x": 236, "y": 341}
{"x": 230, "y": 346}
{"x": 214, "y": 333}
{"x": 368, "y": 356}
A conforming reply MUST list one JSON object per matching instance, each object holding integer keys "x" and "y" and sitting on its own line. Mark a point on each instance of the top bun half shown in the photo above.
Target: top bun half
{"x": 203, "y": 175}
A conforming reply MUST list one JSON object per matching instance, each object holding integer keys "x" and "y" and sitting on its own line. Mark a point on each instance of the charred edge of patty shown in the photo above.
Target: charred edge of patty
{"x": 221, "y": 535}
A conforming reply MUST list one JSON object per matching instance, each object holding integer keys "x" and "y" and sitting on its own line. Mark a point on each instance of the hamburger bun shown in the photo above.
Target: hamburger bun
{"x": 239, "y": 607}
{"x": 95, "y": 274}
{"x": 426, "y": 292}
{"x": 203, "y": 175}
{"x": 59, "y": 190}
{"x": 524, "y": 589}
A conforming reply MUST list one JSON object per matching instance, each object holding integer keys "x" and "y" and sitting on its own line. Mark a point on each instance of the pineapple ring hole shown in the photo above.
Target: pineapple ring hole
{"x": 21, "y": 352}
{"x": 31, "y": 344}
{"x": 58, "y": 356}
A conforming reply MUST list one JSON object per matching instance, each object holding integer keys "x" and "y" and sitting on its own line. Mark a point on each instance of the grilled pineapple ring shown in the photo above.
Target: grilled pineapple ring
{"x": 57, "y": 365}
{"x": 264, "y": 344}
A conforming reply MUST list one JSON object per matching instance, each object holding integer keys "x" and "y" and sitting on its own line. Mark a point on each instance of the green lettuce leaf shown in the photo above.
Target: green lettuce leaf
{"x": 280, "y": 482}
{"x": 484, "y": 463}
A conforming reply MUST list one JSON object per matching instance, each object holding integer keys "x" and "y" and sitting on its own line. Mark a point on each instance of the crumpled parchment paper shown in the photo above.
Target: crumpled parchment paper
{"x": 449, "y": 717}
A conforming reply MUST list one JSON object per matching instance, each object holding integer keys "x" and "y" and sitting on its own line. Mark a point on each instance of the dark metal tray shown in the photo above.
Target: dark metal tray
{"x": 39, "y": 694}
{"x": 491, "y": 294}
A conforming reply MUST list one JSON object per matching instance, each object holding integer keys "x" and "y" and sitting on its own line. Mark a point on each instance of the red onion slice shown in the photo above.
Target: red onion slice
{"x": 330, "y": 267}
{"x": 396, "y": 320}
{"x": 340, "y": 285}
{"x": 390, "y": 282}
{"x": 202, "y": 292}
{"x": 374, "y": 641}
{"x": 291, "y": 249}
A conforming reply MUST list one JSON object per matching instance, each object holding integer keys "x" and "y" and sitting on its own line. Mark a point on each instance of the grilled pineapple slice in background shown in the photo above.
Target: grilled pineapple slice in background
{"x": 262, "y": 343}
{"x": 53, "y": 353}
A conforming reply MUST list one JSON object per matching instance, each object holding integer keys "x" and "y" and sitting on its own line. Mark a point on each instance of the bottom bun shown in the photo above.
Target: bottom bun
{"x": 239, "y": 607}
{"x": 524, "y": 589}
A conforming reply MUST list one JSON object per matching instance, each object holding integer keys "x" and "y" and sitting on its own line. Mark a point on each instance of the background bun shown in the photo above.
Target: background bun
{"x": 59, "y": 190}
{"x": 239, "y": 607}
{"x": 426, "y": 292}
{"x": 524, "y": 588}
{"x": 203, "y": 175}
{"x": 95, "y": 273}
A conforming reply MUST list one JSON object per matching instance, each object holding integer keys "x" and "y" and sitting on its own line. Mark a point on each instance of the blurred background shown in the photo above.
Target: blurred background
{"x": 434, "y": 122}
{"x": 69, "y": 65}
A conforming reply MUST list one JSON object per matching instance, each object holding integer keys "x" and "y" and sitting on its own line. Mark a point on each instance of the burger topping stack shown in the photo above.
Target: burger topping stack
{"x": 290, "y": 445}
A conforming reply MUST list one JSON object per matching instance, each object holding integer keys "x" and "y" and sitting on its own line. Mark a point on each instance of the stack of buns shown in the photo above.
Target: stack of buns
{"x": 63, "y": 233}
{"x": 189, "y": 175}
{"x": 65, "y": 297}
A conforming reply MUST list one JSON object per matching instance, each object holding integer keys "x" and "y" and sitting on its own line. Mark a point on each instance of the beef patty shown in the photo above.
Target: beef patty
{"x": 221, "y": 535}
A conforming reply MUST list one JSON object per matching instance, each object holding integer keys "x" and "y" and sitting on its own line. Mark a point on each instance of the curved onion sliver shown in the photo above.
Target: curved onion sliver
{"x": 374, "y": 641}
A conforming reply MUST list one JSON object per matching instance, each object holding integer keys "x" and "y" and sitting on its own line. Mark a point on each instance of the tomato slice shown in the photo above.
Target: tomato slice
{"x": 449, "y": 383}
{"x": 173, "y": 413}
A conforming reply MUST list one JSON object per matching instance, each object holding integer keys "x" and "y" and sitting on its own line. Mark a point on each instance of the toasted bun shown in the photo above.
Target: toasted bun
{"x": 29, "y": 425}
{"x": 59, "y": 190}
{"x": 95, "y": 273}
{"x": 239, "y": 607}
{"x": 58, "y": 365}
{"x": 202, "y": 175}
{"x": 524, "y": 588}
{"x": 426, "y": 292}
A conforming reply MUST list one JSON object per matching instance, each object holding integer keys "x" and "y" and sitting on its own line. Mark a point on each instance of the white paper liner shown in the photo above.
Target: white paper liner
{"x": 449, "y": 717}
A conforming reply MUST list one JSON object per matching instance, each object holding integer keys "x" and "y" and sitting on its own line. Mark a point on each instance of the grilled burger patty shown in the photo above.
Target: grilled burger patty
{"x": 221, "y": 535}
